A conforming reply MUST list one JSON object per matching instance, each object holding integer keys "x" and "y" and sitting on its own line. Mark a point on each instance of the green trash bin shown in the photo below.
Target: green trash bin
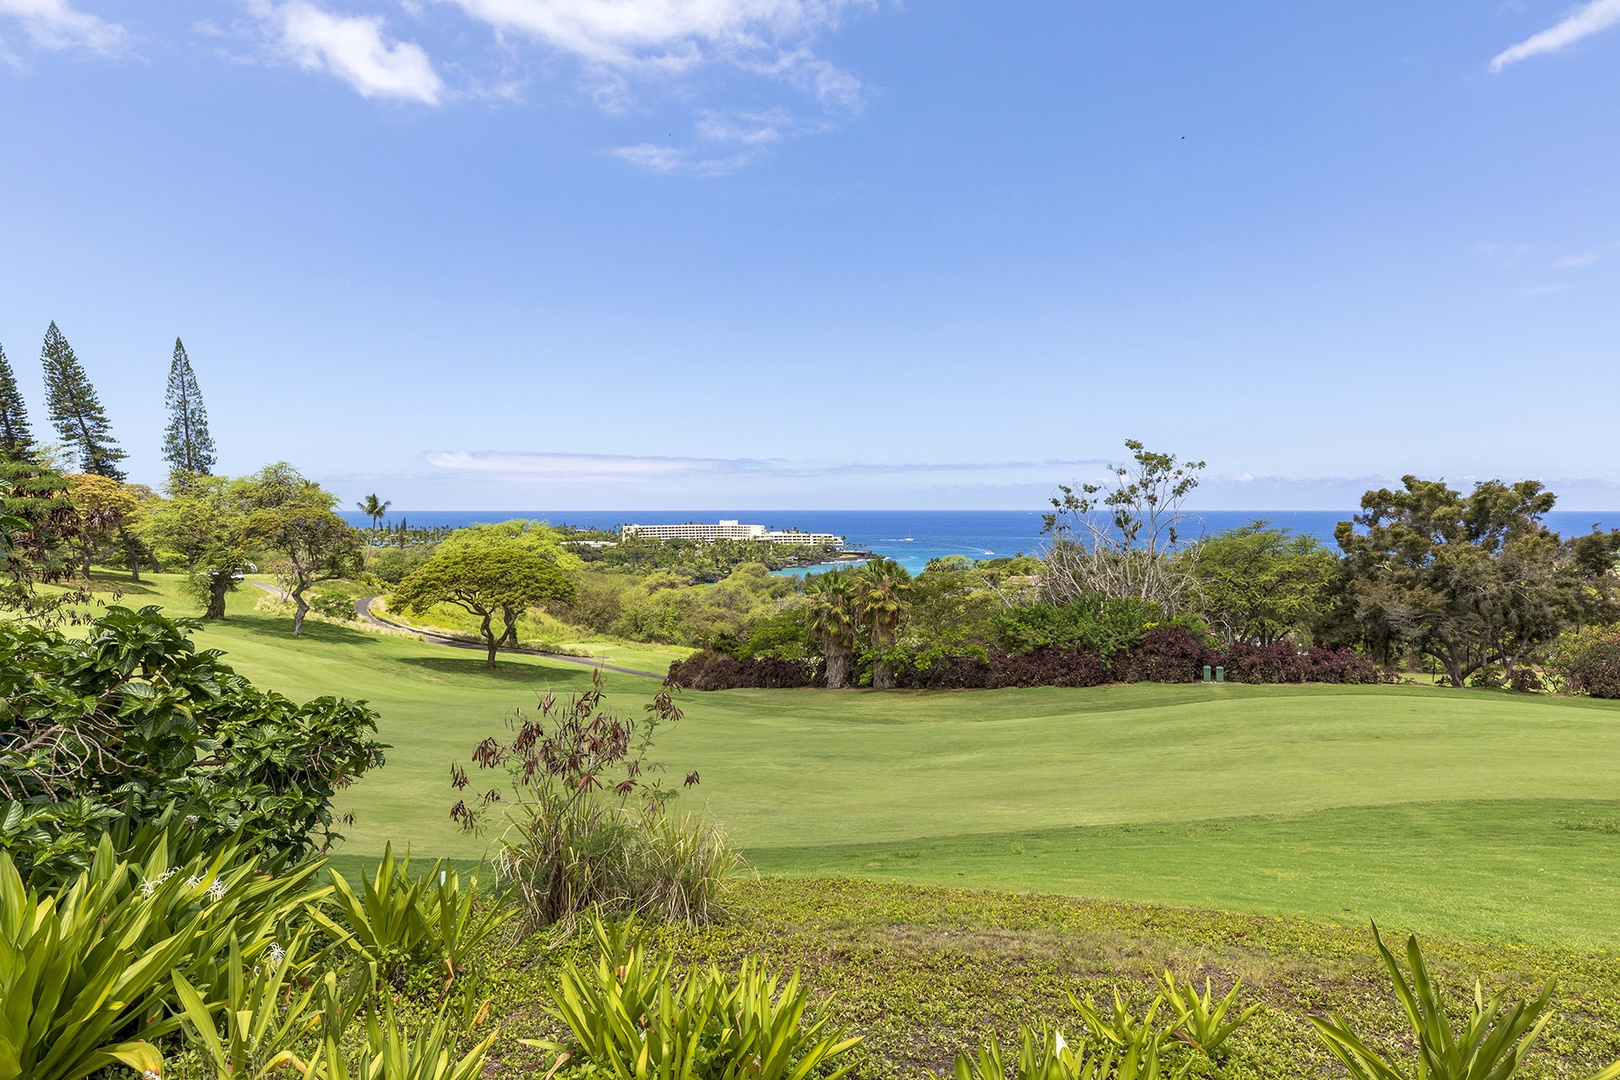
{"x": 1206, "y": 673}
{"x": 1220, "y": 674}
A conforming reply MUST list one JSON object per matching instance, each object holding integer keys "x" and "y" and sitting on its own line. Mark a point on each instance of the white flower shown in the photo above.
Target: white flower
{"x": 148, "y": 887}
{"x": 148, "y": 1074}
{"x": 193, "y": 881}
{"x": 275, "y": 953}
{"x": 216, "y": 891}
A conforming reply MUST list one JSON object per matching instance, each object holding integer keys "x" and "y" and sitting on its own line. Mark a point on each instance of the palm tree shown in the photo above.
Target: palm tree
{"x": 374, "y": 509}
{"x": 830, "y": 619}
{"x": 880, "y": 589}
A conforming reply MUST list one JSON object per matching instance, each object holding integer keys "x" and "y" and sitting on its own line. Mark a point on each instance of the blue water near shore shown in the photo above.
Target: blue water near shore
{"x": 912, "y": 537}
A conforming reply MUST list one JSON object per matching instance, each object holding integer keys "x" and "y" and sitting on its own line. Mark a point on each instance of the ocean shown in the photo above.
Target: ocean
{"x": 912, "y": 537}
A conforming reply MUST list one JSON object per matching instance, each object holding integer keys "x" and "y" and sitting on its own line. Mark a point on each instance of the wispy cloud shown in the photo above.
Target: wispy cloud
{"x": 57, "y": 24}
{"x": 545, "y": 466}
{"x": 668, "y": 34}
{"x": 1584, "y": 21}
{"x": 1578, "y": 260}
{"x": 671, "y": 159}
{"x": 625, "y": 46}
{"x": 353, "y": 48}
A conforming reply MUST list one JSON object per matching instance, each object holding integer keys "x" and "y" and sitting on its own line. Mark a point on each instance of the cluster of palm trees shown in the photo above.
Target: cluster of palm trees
{"x": 856, "y": 606}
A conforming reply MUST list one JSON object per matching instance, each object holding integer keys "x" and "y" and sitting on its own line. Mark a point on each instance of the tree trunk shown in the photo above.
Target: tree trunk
{"x": 882, "y": 676}
{"x": 300, "y": 609}
{"x": 489, "y": 639}
{"x": 837, "y": 666}
{"x": 509, "y": 637}
{"x": 218, "y": 585}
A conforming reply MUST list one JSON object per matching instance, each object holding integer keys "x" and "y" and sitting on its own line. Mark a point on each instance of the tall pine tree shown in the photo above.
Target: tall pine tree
{"x": 16, "y": 439}
{"x": 75, "y": 409}
{"x": 187, "y": 446}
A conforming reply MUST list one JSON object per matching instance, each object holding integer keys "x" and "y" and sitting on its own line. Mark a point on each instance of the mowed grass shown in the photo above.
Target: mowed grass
{"x": 1471, "y": 813}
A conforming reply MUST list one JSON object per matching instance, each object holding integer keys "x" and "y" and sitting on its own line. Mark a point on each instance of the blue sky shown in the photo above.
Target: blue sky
{"x": 577, "y": 254}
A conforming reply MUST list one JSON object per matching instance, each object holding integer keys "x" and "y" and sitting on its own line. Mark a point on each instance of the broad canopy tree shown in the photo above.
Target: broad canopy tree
{"x": 203, "y": 525}
{"x": 1257, "y": 584}
{"x": 215, "y": 525}
{"x": 524, "y": 533}
{"x": 1472, "y": 581}
{"x": 294, "y": 520}
{"x": 482, "y": 581}
{"x": 109, "y": 513}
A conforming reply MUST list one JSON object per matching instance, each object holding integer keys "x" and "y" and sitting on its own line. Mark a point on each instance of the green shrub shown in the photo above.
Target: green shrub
{"x": 85, "y": 974}
{"x": 399, "y": 922}
{"x": 1094, "y": 624}
{"x": 632, "y": 1019}
{"x": 262, "y": 1011}
{"x": 394, "y": 564}
{"x": 1587, "y": 661}
{"x": 334, "y": 603}
{"x": 133, "y": 719}
{"x": 1490, "y": 1045}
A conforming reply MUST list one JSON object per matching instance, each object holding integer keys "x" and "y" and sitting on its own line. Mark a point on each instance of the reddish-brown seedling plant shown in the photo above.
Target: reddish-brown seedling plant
{"x": 580, "y": 790}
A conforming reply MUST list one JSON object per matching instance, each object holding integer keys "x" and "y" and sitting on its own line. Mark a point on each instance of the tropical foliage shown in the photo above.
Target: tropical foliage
{"x": 132, "y": 719}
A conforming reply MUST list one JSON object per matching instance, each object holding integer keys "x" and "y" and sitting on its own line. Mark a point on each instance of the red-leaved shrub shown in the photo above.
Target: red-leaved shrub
{"x": 1169, "y": 654}
{"x": 710, "y": 670}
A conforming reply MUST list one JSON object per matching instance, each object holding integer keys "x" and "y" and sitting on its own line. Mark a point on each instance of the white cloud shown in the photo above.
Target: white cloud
{"x": 57, "y": 24}
{"x": 671, "y": 33}
{"x": 749, "y": 128}
{"x": 670, "y": 159}
{"x": 544, "y": 466}
{"x": 666, "y": 38}
{"x": 352, "y": 47}
{"x": 1579, "y": 260}
{"x": 1588, "y": 19}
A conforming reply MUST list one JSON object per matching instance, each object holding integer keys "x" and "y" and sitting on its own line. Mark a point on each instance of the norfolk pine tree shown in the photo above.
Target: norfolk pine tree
{"x": 15, "y": 436}
{"x": 75, "y": 409}
{"x": 187, "y": 445}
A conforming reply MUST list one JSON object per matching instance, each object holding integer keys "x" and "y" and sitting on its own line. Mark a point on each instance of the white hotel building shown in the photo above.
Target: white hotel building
{"x": 728, "y": 530}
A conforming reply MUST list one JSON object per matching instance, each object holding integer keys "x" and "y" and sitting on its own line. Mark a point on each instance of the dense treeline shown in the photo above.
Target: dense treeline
{"x": 1473, "y": 587}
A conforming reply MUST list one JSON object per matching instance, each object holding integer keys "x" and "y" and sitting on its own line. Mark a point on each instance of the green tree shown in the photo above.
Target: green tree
{"x": 1117, "y": 538}
{"x": 881, "y": 586}
{"x": 1471, "y": 581}
{"x": 293, "y": 518}
{"x": 76, "y": 410}
{"x": 38, "y": 544}
{"x": 482, "y": 581}
{"x": 1257, "y": 584}
{"x": 16, "y": 438}
{"x": 187, "y": 445}
{"x": 202, "y": 524}
{"x": 523, "y": 533}
{"x": 829, "y": 615}
{"x": 107, "y": 512}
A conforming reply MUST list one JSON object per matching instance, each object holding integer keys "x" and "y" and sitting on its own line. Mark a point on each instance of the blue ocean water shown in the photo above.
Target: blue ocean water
{"x": 912, "y": 537}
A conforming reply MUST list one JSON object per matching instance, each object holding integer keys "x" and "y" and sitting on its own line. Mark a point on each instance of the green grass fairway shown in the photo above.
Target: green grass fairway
{"x": 1472, "y": 813}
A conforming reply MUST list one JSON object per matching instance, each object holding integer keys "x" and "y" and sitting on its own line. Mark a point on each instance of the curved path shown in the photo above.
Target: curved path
{"x": 362, "y": 608}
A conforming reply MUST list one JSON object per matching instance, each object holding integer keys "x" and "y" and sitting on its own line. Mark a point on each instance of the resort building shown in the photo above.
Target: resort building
{"x": 729, "y": 530}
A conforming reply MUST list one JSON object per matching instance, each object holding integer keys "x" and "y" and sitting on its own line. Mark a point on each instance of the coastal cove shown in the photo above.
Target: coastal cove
{"x": 912, "y": 537}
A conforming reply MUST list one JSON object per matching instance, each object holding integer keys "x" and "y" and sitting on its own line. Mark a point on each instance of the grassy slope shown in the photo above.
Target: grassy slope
{"x": 922, "y": 972}
{"x": 1464, "y": 812}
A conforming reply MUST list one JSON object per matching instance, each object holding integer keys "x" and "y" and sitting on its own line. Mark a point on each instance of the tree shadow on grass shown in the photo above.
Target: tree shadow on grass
{"x": 471, "y": 665}
{"x": 280, "y": 626}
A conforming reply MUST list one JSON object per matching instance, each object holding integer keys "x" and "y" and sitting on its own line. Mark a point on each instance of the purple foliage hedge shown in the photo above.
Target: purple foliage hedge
{"x": 1168, "y": 654}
